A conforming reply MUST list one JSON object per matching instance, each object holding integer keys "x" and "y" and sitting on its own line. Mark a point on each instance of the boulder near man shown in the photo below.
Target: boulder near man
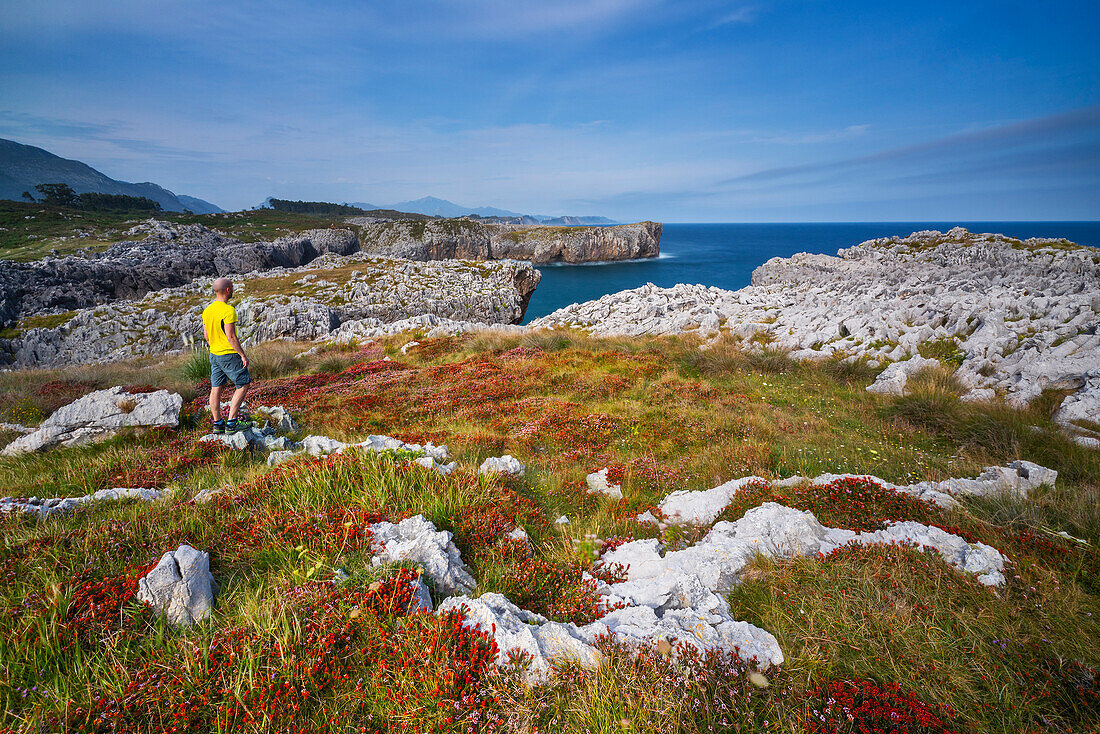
{"x": 228, "y": 362}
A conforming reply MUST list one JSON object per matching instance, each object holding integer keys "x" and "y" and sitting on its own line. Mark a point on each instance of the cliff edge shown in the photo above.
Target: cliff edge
{"x": 469, "y": 239}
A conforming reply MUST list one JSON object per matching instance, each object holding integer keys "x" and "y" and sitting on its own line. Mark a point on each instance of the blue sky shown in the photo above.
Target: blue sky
{"x": 679, "y": 111}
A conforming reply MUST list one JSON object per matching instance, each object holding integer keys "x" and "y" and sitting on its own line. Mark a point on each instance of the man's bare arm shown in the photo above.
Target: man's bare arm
{"x": 231, "y": 337}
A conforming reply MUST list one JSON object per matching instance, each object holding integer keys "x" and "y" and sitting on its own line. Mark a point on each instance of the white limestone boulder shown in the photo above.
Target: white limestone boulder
{"x": 416, "y": 540}
{"x": 893, "y": 379}
{"x": 507, "y": 465}
{"x": 598, "y": 484}
{"x": 517, "y": 631}
{"x": 99, "y": 415}
{"x": 181, "y": 586}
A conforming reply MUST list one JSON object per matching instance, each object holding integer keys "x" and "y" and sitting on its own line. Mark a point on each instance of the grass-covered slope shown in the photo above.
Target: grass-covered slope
{"x": 881, "y": 639}
{"x": 31, "y": 231}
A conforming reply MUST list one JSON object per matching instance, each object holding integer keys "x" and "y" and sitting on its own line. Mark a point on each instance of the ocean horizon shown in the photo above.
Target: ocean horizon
{"x": 725, "y": 255}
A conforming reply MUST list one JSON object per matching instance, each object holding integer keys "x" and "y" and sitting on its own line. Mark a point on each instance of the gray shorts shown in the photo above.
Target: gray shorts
{"x": 225, "y": 368}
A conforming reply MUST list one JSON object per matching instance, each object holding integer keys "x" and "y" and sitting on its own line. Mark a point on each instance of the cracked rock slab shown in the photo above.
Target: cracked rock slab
{"x": 99, "y": 415}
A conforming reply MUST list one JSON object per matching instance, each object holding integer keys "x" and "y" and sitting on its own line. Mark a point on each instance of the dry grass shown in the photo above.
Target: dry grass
{"x": 665, "y": 415}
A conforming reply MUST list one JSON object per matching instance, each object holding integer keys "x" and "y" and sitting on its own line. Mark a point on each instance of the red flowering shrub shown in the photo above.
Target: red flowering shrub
{"x": 352, "y": 645}
{"x": 645, "y": 472}
{"x": 556, "y": 590}
{"x": 165, "y": 459}
{"x": 867, "y": 707}
{"x": 95, "y": 606}
{"x": 855, "y": 504}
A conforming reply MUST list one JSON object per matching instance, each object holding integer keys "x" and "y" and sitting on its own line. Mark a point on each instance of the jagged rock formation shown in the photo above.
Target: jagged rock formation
{"x": 473, "y": 240}
{"x": 181, "y": 586}
{"x": 1017, "y": 317}
{"x": 169, "y": 255}
{"x": 299, "y": 303}
{"x": 416, "y": 540}
{"x": 100, "y": 415}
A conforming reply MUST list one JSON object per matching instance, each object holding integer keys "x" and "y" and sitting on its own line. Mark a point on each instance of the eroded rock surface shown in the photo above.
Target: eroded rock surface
{"x": 181, "y": 586}
{"x": 416, "y": 540}
{"x": 302, "y": 304}
{"x": 99, "y": 415}
{"x": 469, "y": 239}
{"x": 168, "y": 255}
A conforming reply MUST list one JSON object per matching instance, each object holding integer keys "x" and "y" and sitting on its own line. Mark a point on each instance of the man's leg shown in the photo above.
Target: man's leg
{"x": 236, "y": 400}
{"x": 216, "y": 403}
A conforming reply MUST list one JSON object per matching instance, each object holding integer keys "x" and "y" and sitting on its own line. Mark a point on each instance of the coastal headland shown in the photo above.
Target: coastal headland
{"x": 865, "y": 482}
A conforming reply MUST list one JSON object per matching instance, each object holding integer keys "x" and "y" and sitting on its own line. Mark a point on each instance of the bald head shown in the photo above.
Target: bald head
{"x": 222, "y": 286}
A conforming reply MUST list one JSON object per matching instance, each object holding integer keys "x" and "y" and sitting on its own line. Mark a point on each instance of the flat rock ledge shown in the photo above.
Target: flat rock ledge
{"x": 1017, "y": 316}
{"x": 702, "y": 507}
{"x": 181, "y": 586}
{"x": 99, "y": 415}
{"x": 44, "y": 507}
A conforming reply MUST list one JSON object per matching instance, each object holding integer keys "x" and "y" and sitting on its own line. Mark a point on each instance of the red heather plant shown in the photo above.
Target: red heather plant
{"x": 645, "y": 472}
{"x": 357, "y": 659}
{"x": 96, "y": 604}
{"x": 555, "y": 590}
{"x": 855, "y": 504}
{"x": 168, "y": 459}
{"x": 868, "y": 707}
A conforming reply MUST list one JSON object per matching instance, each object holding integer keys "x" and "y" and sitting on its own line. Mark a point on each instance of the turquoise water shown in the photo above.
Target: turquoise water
{"x": 725, "y": 255}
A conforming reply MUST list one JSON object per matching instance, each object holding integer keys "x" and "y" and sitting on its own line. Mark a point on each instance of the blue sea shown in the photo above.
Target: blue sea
{"x": 725, "y": 255}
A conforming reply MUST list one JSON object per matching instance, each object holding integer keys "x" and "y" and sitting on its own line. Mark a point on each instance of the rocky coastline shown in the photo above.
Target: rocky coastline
{"x": 167, "y": 255}
{"x": 469, "y": 239}
{"x": 307, "y": 303}
{"x": 1011, "y": 317}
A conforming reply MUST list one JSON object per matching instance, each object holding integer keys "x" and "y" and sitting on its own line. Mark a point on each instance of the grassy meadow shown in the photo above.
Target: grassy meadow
{"x": 876, "y": 639}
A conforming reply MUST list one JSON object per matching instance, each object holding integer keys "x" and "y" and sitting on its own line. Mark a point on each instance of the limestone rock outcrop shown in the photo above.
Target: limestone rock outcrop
{"x": 168, "y": 255}
{"x": 181, "y": 586}
{"x": 1015, "y": 316}
{"x": 416, "y": 540}
{"x": 43, "y": 507}
{"x": 468, "y": 239}
{"x": 99, "y": 415}
{"x": 303, "y": 303}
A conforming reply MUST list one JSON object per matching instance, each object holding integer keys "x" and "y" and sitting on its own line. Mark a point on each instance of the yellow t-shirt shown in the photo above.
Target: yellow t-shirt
{"x": 214, "y": 318}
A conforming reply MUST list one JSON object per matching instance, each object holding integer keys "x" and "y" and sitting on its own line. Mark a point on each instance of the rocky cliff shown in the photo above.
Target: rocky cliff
{"x": 474, "y": 240}
{"x": 1015, "y": 317}
{"x": 298, "y": 303}
{"x": 168, "y": 255}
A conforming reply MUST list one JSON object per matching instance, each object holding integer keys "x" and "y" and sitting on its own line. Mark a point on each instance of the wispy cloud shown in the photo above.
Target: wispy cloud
{"x": 738, "y": 15}
{"x": 998, "y": 140}
{"x": 824, "y": 136}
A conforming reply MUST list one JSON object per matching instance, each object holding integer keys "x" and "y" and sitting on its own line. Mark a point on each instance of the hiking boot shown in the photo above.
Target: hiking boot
{"x": 238, "y": 425}
{"x": 219, "y": 428}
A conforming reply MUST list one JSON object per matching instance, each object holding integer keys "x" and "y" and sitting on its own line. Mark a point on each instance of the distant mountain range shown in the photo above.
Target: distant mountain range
{"x": 22, "y": 167}
{"x": 435, "y": 207}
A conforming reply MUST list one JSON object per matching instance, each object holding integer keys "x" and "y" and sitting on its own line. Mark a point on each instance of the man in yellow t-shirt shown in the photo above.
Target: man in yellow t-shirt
{"x": 228, "y": 362}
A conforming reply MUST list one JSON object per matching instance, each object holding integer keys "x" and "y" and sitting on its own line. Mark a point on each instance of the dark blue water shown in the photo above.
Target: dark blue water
{"x": 725, "y": 255}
